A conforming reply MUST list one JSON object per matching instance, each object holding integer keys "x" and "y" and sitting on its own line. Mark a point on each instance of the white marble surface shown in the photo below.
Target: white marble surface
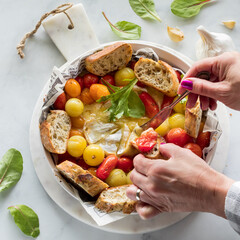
{"x": 22, "y": 80}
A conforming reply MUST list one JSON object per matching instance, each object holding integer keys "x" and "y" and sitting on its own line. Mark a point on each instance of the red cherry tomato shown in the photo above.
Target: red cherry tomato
{"x": 132, "y": 64}
{"x": 108, "y": 164}
{"x": 178, "y": 136}
{"x": 166, "y": 101}
{"x": 203, "y": 139}
{"x": 125, "y": 163}
{"x": 179, "y": 74}
{"x": 80, "y": 81}
{"x": 151, "y": 106}
{"x": 195, "y": 148}
{"x": 109, "y": 79}
{"x": 82, "y": 163}
{"x": 60, "y": 102}
{"x": 147, "y": 141}
{"x": 89, "y": 79}
{"x": 141, "y": 84}
{"x": 66, "y": 156}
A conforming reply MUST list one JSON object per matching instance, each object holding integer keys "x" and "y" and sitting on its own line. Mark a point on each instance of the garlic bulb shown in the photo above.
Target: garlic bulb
{"x": 212, "y": 44}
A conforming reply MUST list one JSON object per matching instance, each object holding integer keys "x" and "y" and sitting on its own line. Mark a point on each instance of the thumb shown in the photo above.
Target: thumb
{"x": 203, "y": 87}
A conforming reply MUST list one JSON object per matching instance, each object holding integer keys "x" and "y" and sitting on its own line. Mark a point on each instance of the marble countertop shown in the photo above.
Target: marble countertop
{"x": 22, "y": 81}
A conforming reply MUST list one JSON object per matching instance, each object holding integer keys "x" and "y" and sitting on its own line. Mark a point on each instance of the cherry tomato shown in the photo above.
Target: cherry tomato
{"x": 109, "y": 79}
{"x": 80, "y": 81}
{"x": 128, "y": 178}
{"x": 179, "y": 74}
{"x": 108, "y": 164}
{"x": 142, "y": 85}
{"x": 203, "y": 139}
{"x": 77, "y": 122}
{"x": 74, "y": 107}
{"x": 123, "y": 74}
{"x": 60, "y": 102}
{"x": 72, "y": 88}
{"x": 66, "y": 156}
{"x": 164, "y": 128}
{"x": 76, "y": 145}
{"x": 76, "y": 132}
{"x": 93, "y": 155}
{"x": 93, "y": 171}
{"x": 166, "y": 101}
{"x": 178, "y": 136}
{"x": 89, "y": 79}
{"x": 125, "y": 163}
{"x": 195, "y": 148}
{"x": 117, "y": 177}
{"x": 80, "y": 162}
{"x": 86, "y": 97}
{"x": 132, "y": 64}
{"x": 177, "y": 120}
{"x": 147, "y": 141}
{"x": 98, "y": 90}
{"x": 151, "y": 106}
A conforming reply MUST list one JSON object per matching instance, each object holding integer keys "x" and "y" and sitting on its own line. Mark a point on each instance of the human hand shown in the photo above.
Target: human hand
{"x": 223, "y": 86}
{"x": 183, "y": 183}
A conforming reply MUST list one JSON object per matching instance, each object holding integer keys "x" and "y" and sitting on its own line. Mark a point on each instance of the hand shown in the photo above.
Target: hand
{"x": 225, "y": 87}
{"x": 183, "y": 183}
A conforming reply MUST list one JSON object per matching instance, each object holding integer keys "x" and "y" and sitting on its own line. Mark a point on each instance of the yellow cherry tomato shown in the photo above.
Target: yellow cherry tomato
{"x": 72, "y": 88}
{"x": 74, "y": 107}
{"x": 125, "y": 73}
{"x": 117, "y": 177}
{"x": 181, "y": 106}
{"x": 164, "y": 128}
{"x": 177, "y": 120}
{"x": 76, "y": 146}
{"x": 93, "y": 155}
{"x": 128, "y": 178}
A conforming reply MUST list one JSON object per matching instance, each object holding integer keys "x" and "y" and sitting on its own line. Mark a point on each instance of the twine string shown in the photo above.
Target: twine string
{"x": 60, "y": 9}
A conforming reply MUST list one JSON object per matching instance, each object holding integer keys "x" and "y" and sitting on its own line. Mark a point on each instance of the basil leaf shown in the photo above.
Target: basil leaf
{"x": 144, "y": 9}
{"x": 124, "y": 29}
{"x": 187, "y": 8}
{"x": 11, "y": 167}
{"x": 26, "y": 219}
{"x": 136, "y": 108}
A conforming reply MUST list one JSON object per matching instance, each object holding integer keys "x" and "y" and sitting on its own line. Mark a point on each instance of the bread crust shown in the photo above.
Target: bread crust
{"x": 46, "y": 134}
{"x": 157, "y": 75}
{"x": 123, "y": 204}
{"x": 193, "y": 117}
{"x": 111, "y": 58}
{"x": 81, "y": 178}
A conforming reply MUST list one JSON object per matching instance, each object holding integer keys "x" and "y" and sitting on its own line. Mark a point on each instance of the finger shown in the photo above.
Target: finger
{"x": 139, "y": 179}
{"x": 169, "y": 150}
{"x": 212, "y": 104}
{"x": 131, "y": 192}
{"x": 142, "y": 164}
{"x": 204, "y": 103}
{"x": 192, "y": 99}
{"x": 146, "y": 211}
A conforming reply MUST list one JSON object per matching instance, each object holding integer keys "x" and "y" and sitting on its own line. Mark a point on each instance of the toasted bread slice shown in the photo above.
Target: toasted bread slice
{"x": 55, "y": 131}
{"x": 154, "y": 153}
{"x": 193, "y": 118}
{"x": 81, "y": 178}
{"x": 159, "y": 75}
{"x": 115, "y": 199}
{"x": 111, "y": 58}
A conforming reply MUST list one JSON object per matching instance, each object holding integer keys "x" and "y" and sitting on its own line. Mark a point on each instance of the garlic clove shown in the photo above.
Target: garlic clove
{"x": 175, "y": 34}
{"x": 229, "y": 24}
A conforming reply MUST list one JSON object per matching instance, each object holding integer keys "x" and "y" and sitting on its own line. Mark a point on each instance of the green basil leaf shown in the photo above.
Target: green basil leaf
{"x": 136, "y": 108}
{"x": 26, "y": 219}
{"x": 124, "y": 29}
{"x": 11, "y": 167}
{"x": 187, "y": 8}
{"x": 144, "y": 9}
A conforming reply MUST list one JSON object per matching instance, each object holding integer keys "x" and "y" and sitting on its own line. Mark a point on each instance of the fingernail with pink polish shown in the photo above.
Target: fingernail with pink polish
{"x": 187, "y": 84}
{"x": 162, "y": 143}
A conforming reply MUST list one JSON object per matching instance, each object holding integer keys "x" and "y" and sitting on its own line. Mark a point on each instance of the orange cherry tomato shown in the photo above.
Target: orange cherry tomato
{"x": 178, "y": 136}
{"x": 125, "y": 163}
{"x": 151, "y": 106}
{"x": 98, "y": 90}
{"x": 203, "y": 139}
{"x": 76, "y": 131}
{"x": 93, "y": 171}
{"x": 108, "y": 164}
{"x": 60, "y": 102}
{"x": 195, "y": 148}
{"x": 72, "y": 88}
{"x": 77, "y": 122}
{"x": 86, "y": 97}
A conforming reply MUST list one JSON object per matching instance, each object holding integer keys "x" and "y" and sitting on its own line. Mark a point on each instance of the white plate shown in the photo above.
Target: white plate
{"x": 131, "y": 224}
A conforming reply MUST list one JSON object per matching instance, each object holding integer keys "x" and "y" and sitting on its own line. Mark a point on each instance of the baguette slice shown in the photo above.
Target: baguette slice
{"x": 115, "y": 199}
{"x": 193, "y": 117}
{"x": 111, "y": 58}
{"x": 154, "y": 153}
{"x": 159, "y": 75}
{"x": 81, "y": 178}
{"x": 55, "y": 131}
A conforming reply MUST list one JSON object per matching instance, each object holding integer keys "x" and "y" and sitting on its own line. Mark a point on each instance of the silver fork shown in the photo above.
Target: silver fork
{"x": 163, "y": 114}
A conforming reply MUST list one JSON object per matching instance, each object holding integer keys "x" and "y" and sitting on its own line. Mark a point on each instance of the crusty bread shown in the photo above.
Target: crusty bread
{"x": 159, "y": 75}
{"x": 81, "y": 178}
{"x": 115, "y": 199}
{"x": 55, "y": 131}
{"x": 154, "y": 153}
{"x": 111, "y": 58}
{"x": 193, "y": 118}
